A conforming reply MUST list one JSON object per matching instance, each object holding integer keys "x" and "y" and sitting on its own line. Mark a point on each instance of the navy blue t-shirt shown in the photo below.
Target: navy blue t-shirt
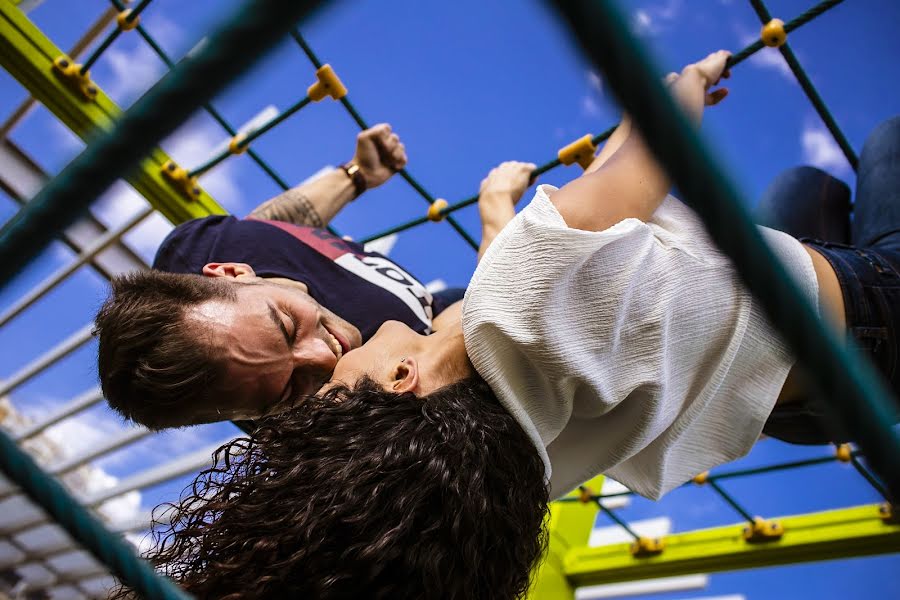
{"x": 365, "y": 288}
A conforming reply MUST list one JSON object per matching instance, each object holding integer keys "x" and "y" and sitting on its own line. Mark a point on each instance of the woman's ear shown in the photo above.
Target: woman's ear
{"x": 405, "y": 377}
{"x": 233, "y": 270}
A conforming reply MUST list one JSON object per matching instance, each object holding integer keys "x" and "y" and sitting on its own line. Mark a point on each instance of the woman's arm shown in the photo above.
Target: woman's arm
{"x": 499, "y": 192}
{"x": 630, "y": 183}
{"x": 379, "y": 154}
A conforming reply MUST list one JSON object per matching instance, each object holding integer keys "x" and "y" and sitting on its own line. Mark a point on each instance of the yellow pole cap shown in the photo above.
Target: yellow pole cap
{"x": 126, "y": 24}
{"x": 773, "y": 33}
{"x": 180, "y": 180}
{"x": 434, "y": 211}
{"x": 236, "y": 145}
{"x": 763, "y": 531}
{"x": 643, "y": 547}
{"x": 327, "y": 84}
{"x": 701, "y": 478}
{"x": 70, "y": 74}
{"x": 843, "y": 453}
{"x": 580, "y": 151}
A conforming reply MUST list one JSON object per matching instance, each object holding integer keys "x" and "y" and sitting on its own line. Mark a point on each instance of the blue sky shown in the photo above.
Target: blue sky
{"x": 467, "y": 85}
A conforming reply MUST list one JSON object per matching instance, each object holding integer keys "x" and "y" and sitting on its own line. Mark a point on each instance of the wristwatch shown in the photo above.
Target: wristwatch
{"x": 356, "y": 176}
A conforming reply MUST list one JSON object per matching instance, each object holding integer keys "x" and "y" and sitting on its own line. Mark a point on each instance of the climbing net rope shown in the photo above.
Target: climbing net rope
{"x": 859, "y": 399}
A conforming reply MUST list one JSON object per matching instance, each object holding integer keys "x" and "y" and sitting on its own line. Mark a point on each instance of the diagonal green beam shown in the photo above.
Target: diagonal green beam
{"x": 250, "y": 32}
{"x": 28, "y": 55}
{"x": 842, "y": 533}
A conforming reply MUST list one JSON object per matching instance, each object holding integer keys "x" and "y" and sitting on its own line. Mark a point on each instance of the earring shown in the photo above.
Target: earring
{"x": 403, "y": 360}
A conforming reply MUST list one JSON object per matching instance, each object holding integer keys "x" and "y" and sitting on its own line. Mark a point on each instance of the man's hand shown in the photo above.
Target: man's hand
{"x": 379, "y": 154}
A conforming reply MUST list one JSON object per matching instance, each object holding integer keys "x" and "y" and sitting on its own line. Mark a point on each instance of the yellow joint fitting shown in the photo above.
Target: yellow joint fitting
{"x": 434, "y": 211}
{"x": 773, "y": 33}
{"x": 580, "y": 151}
{"x": 237, "y": 145}
{"x": 843, "y": 453}
{"x": 70, "y": 74}
{"x": 888, "y": 515}
{"x": 701, "y": 478}
{"x": 643, "y": 547}
{"x": 178, "y": 177}
{"x": 763, "y": 531}
{"x": 585, "y": 494}
{"x": 126, "y": 24}
{"x": 328, "y": 84}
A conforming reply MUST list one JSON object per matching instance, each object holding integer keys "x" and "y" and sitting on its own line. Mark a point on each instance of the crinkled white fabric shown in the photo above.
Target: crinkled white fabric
{"x": 633, "y": 351}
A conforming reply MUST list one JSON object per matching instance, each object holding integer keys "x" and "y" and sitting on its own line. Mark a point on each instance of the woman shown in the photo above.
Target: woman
{"x": 606, "y": 321}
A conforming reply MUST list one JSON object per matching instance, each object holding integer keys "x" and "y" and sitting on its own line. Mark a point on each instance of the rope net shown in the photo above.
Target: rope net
{"x": 583, "y": 19}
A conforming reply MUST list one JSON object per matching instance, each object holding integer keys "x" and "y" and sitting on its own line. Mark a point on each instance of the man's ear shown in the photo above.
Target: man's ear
{"x": 233, "y": 270}
{"x": 405, "y": 377}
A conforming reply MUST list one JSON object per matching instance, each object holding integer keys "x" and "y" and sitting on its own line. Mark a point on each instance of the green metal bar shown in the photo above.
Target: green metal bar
{"x": 871, "y": 480}
{"x": 805, "y": 83}
{"x": 858, "y": 399}
{"x": 251, "y": 136}
{"x": 617, "y": 520}
{"x": 253, "y": 29}
{"x": 731, "y": 501}
{"x": 842, "y": 533}
{"x": 84, "y": 528}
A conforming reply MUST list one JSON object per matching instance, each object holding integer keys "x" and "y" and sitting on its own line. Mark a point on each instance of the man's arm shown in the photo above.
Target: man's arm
{"x": 379, "y": 154}
{"x": 500, "y": 191}
{"x": 630, "y": 183}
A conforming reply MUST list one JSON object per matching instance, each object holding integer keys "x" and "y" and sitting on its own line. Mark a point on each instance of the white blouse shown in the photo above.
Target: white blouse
{"x": 634, "y": 351}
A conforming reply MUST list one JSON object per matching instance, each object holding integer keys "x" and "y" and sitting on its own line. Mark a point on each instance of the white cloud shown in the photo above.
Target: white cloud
{"x": 590, "y": 105}
{"x": 767, "y": 58}
{"x": 820, "y": 149}
{"x": 657, "y": 18}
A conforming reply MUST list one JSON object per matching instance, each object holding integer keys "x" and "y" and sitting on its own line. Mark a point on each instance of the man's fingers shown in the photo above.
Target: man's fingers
{"x": 716, "y": 96}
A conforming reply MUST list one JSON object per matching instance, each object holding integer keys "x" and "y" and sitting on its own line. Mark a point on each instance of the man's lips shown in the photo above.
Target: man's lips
{"x": 345, "y": 345}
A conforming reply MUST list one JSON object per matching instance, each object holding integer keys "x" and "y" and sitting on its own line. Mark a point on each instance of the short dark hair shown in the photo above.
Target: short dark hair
{"x": 365, "y": 493}
{"x": 152, "y": 363}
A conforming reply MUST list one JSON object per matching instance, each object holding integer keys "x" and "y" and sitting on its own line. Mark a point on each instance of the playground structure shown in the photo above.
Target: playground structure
{"x": 65, "y": 87}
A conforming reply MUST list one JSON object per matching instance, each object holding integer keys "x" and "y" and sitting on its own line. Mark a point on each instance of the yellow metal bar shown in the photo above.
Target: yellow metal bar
{"x": 842, "y": 533}
{"x": 28, "y": 56}
{"x": 568, "y": 527}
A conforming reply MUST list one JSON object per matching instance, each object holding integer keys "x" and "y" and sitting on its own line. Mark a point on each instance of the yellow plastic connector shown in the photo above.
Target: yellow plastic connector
{"x": 888, "y": 515}
{"x": 70, "y": 74}
{"x": 327, "y": 84}
{"x": 580, "y": 151}
{"x": 179, "y": 178}
{"x": 237, "y": 145}
{"x": 763, "y": 531}
{"x": 126, "y": 24}
{"x": 434, "y": 211}
{"x": 701, "y": 478}
{"x": 585, "y": 494}
{"x": 843, "y": 453}
{"x": 643, "y": 547}
{"x": 773, "y": 33}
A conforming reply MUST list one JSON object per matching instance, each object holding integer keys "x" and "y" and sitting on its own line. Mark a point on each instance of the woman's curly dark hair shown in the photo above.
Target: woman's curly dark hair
{"x": 365, "y": 493}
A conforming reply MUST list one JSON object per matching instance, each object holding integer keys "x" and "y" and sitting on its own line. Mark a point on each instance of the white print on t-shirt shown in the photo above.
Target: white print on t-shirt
{"x": 388, "y": 276}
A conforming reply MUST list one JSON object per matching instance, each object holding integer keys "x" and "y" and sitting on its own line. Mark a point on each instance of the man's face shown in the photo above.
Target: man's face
{"x": 277, "y": 343}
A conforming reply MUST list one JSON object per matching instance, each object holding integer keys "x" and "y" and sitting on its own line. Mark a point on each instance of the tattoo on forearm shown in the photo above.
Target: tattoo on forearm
{"x": 292, "y": 207}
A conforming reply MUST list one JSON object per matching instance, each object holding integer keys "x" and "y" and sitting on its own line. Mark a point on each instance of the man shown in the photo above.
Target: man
{"x": 240, "y": 317}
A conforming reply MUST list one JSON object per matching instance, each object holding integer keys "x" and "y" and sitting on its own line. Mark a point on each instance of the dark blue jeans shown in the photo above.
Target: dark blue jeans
{"x": 863, "y": 250}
